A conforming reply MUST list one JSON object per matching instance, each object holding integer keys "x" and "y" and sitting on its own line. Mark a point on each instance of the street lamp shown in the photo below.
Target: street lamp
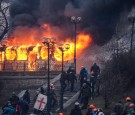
{"x": 49, "y": 42}
{"x": 75, "y": 20}
{"x": 2, "y": 49}
{"x": 131, "y": 18}
{"x": 62, "y": 48}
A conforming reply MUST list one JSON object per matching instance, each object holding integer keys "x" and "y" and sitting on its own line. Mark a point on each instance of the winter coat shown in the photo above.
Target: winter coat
{"x": 9, "y": 110}
{"x": 24, "y": 106}
{"x": 72, "y": 77}
{"x": 95, "y": 68}
{"x": 118, "y": 109}
{"x": 14, "y": 100}
{"x": 83, "y": 73}
{"x": 26, "y": 96}
{"x": 126, "y": 108}
{"x": 76, "y": 111}
{"x": 63, "y": 77}
{"x": 85, "y": 92}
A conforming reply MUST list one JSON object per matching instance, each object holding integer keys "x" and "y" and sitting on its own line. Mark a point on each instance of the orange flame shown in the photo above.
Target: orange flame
{"x": 26, "y": 47}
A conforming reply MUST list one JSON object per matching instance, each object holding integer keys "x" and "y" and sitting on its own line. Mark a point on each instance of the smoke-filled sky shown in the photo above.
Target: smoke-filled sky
{"x": 99, "y": 17}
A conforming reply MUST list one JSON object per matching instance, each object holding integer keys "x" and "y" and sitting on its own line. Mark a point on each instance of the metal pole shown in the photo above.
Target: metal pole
{"x": 131, "y": 44}
{"x": 61, "y": 93}
{"x": 75, "y": 48}
{"x": 62, "y": 60}
{"x": 48, "y": 92}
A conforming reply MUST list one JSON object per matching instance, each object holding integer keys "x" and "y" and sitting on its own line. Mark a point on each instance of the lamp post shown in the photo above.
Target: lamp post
{"x": 62, "y": 48}
{"x": 75, "y": 20}
{"x": 131, "y": 18}
{"x": 3, "y": 48}
{"x": 49, "y": 42}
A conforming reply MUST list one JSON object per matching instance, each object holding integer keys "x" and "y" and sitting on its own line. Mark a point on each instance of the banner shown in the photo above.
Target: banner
{"x": 41, "y": 102}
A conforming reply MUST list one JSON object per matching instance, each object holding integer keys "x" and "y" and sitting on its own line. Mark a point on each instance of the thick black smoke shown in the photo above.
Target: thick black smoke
{"x": 99, "y": 17}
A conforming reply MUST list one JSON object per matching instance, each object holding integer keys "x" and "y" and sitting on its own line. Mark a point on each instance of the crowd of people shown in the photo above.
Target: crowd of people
{"x": 87, "y": 79}
{"x": 127, "y": 108}
{"x": 16, "y": 105}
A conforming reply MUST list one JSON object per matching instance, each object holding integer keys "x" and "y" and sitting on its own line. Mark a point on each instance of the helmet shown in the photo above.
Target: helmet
{"x": 61, "y": 113}
{"x": 95, "y": 109}
{"x": 76, "y": 103}
{"x": 82, "y": 67}
{"x": 132, "y": 105}
{"x": 128, "y": 98}
{"x": 52, "y": 85}
{"x": 91, "y": 106}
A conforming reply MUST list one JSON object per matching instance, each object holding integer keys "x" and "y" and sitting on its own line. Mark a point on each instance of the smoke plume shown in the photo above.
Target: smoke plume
{"x": 99, "y": 17}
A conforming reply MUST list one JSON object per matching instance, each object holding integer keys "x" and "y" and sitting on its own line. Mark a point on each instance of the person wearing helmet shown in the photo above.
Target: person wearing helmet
{"x": 53, "y": 97}
{"x": 132, "y": 109}
{"x": 90, "y": 110}
{"x": 76, "y": 110}
{"x": 60, "y": 113}
{"x": 126, "y": 107}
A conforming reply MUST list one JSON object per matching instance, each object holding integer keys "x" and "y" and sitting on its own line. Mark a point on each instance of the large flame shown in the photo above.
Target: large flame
{"x": 26, "y": 47}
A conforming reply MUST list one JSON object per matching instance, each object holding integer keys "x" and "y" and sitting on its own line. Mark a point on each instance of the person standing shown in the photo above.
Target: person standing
{"x": 85, "y": 94}
{"x": 126, "y": 107}
{"x": 14, "y": 99}
{"x": 118, "y": 108}
{"x": 95, "y": 69}
{"x": 72, "y": 79}
{"x": 63, "y": 79}
{"x": 83, "y": 75}
{"x": 53, "y": 97}
{"x": 90, "y": 110}
{"x": 26, "y": 96}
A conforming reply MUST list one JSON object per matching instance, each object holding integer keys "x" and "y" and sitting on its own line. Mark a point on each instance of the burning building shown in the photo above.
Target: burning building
{"x": 20, "y": 55}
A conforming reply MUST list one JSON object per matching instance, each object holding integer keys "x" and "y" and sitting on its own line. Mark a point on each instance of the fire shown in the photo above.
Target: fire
{"x": 30, "y": 49}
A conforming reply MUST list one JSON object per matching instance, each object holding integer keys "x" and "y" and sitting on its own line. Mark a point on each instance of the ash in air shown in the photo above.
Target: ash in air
{"x": 99, "y": 17}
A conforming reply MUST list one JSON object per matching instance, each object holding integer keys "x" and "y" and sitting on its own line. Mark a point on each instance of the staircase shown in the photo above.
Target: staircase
{"x": 67, "y": 97}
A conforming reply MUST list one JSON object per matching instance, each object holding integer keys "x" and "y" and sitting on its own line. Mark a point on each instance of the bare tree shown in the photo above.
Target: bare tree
{"x": 4, "y": 12}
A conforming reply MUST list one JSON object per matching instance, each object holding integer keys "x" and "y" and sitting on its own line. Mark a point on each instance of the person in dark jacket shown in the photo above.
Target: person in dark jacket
{"x": 72, "y": 79}
{"x": 85, "y": 94}
{"x": 8, "y": 109}
{"x": 126, "y": 107}
{"x": 96, "y": 70}
{"x": 23, "y": 106}
{"x": 26, "y": 96}
{"x": 68, "y": 76}
{"x": 83, "y": 74}
{"x": 42, "y": 91}
{"x": 53, "y": 96}
{"x": 118, "y": 108}
{"x": 90, "y": 110}
{"x": 63, "y": 79}
{"x": 14, "y": 99}
{"x": 76, "y": 110}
